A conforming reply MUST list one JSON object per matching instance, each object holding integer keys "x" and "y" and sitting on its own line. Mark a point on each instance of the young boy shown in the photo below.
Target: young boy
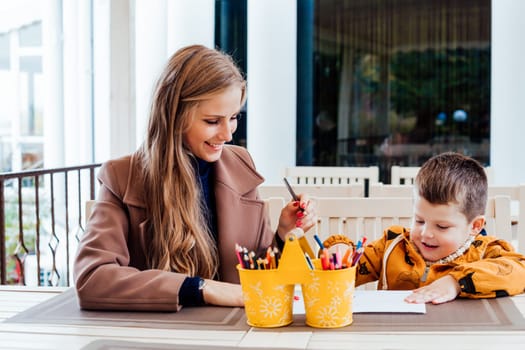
{"x": 445, "y": 254}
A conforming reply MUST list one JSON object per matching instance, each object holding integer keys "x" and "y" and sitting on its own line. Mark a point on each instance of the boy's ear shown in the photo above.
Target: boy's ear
{"x": 478, "y": 224}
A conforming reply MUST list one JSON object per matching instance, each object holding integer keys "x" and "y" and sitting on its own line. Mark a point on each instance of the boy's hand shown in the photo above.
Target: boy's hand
{"x": 440, "y": 291}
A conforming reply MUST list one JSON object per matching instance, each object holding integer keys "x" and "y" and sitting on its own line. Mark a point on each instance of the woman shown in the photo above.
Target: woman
{"x": 162, "y": 234}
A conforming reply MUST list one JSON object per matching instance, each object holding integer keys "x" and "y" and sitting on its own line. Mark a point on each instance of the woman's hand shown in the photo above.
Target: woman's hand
{"x": 440, "y": 291}
{"x": 299, "y": 213}
{"x": 222, "y": 294}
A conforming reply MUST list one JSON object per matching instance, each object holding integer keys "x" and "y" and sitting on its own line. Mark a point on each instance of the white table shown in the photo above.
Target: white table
{"x": 49, "y": 336}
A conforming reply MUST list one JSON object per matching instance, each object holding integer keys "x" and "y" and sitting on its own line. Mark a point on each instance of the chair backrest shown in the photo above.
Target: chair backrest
{"x": 358, "y": 217}
{"x": 382, "y": 190}
{"x": 274, "y": 205}
{"x": 88, "y": 208}
{"x": 324, "y": 175}
{"x": 405, "y": 175}
{"x": 351, "y": 216}
{"x": 516, "y": 194}
{"x": 489, "y": 171}
{"x": 498, "y": 218}
{"x": 347, "y": 190}
{"x": 355, "y": 217}
{"x": 517, "y": 205}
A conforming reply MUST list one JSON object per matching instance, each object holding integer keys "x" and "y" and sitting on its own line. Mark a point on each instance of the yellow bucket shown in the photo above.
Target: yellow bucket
{"x": 266, "y": 303}
{"x": 328, "y": 297}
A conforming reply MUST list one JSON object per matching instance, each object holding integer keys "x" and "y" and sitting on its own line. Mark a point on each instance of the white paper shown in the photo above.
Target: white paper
{"x": 373, "y": 301}
{"x": 387, "y": 301}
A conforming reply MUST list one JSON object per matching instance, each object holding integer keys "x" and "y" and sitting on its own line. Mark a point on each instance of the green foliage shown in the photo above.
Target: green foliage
{"x": 425, "y": 83}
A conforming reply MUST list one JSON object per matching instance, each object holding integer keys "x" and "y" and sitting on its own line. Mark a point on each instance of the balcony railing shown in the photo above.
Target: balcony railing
{"x": 41, "y": 221}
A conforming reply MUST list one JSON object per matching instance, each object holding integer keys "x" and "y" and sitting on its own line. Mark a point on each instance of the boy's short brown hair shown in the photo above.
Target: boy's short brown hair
{"x": 454, "y": 178}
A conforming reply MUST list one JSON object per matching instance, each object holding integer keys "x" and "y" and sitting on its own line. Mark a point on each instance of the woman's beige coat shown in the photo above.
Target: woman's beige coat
{"x": 110, "y": 269}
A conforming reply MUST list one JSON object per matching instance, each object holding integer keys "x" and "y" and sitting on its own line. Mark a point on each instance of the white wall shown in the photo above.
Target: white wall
{"x": 122, "y": 78}
{"x": 150, "y": 22}
{"x": 101, "y": 80}
{"x": 272, "y": 79}
{"x": 162, "y": 27}
{"x": 190, "y": 22}
{"x": 52, "y": 71}
{"x": 77, "y": 82}
{"x": 114, "y": 78}
{"x": 507, "y": 92}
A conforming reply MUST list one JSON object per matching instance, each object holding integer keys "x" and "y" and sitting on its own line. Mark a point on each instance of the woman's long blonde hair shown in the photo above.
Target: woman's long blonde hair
{"x": 181, "y": 240}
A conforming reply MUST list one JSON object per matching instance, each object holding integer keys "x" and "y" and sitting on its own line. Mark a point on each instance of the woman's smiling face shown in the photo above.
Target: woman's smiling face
{"x": 438, "y": 230}
{"x": 214, "y": 121}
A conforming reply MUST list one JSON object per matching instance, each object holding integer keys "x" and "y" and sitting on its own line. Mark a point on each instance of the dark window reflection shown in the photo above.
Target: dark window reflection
{"x": 231, "y": 30}
{"x": 393, "y": 81}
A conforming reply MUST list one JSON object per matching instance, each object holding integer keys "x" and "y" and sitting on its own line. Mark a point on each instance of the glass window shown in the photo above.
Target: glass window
{"x": 4, "y": 52}
{"x": 32, "y": 155}
{"x": 230, "y": 36}
{"x": 31, "y": 35}
{"x": 394, "y": 81}
{"x": 21, "y": 113}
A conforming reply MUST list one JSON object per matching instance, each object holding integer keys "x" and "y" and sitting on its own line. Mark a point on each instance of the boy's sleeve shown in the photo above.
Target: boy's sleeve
{"x": 500, "y": 272}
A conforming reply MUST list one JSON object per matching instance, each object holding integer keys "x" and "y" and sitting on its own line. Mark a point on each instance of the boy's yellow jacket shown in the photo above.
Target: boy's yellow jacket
{"x": 489, "y": 268}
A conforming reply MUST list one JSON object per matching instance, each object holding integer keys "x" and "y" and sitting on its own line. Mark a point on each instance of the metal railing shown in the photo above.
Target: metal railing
{"x": 39, "y": 212}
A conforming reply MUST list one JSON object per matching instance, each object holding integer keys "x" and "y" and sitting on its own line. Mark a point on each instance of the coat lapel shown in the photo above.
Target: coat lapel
{"x": 236, "y": 171}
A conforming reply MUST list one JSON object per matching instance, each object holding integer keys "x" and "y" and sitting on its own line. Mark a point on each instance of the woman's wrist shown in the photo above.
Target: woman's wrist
{"x": 191, "y": 292}
{"x": 222, "y": 293}
{"x": 202, "y": 285}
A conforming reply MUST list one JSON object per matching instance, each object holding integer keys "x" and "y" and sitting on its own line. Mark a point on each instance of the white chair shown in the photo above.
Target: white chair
{"x": 89, "y": 208}
{"x": 499, "y": 214}
{"x": 347, "y": 190}
{"x": 274, "y": 205}
{"x": 515, "y": 193}
{"x": 323, "y": 175}
{"x": 498, "y": 221}
{"x": 355, "y": 217}
{"x": 358, "y": 217}
{"x": 352, "y": 216}
{"x": 517, "y": 198}
{"x": 385, "y": 190}
{"x": 406, "y": 175}
{"x": 403, "y": 174}
{"x": 489, "y": 171}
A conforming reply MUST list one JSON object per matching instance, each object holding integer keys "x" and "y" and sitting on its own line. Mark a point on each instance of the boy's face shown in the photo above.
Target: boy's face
{"x": 438, "y": 230}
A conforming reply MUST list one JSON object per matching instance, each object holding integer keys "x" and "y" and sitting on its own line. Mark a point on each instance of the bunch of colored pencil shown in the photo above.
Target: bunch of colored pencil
{"x": 248, "y": 260}
{"x": 336, "y": 260}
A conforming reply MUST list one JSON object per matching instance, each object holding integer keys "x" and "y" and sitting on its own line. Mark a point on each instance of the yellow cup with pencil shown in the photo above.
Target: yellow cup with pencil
{"x": 328, "y": 297}
{"x": 327, "y": 283}
{"x": 266, "y": 303}
{"x": 268, "y": 288}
